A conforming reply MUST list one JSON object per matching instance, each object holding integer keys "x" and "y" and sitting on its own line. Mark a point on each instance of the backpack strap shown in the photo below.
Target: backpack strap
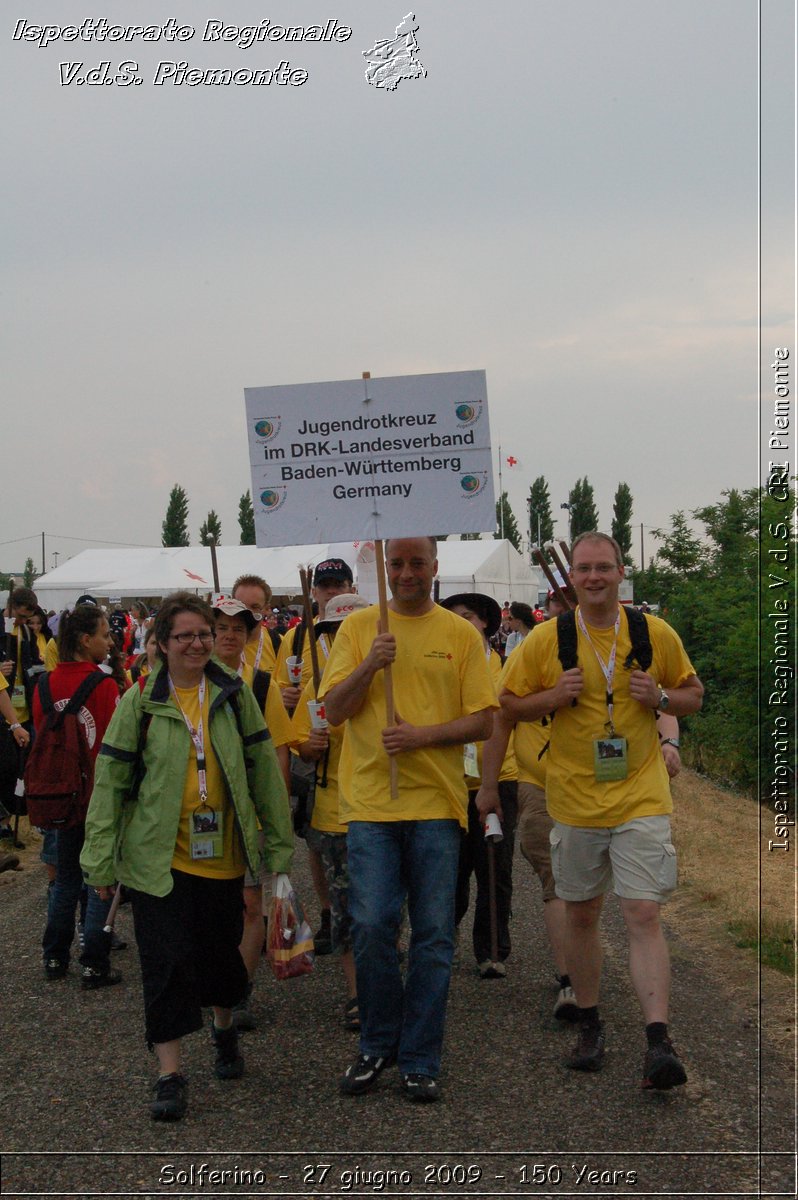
{"x": 79, "y": 697}
{"x": 641, "y": 651}
{"x": 260, "y": 686}
{"x": 567, "y": 640}
{"x": 45, "y": 696}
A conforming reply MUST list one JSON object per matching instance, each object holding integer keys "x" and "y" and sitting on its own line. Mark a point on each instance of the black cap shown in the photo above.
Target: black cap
{"x": 332, "y": 568}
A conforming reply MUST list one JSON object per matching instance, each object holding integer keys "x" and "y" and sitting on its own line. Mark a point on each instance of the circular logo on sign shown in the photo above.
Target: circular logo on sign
{"x": 469, "y": 483}
{"x": 264, "y": 429}
{"x": 269, "y": 498}
{"x": 465, "y": 412}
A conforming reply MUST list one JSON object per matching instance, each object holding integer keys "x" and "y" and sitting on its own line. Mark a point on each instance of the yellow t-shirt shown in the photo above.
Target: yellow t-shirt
{"x": 277, "y": 719}
{"x": 509, "y": 766}
{"x": 18, "y": 693}
{"x": 326, "y": 803}
{"x": 51, "y": 656}
{"x": 440, "y": 674}
{"x": 3, "y": 682}
{"x": 231, "y": 863}
{"x": 528, "y": 739}
{"x": 263, "y": 643}
{"x": 573, "y": 794}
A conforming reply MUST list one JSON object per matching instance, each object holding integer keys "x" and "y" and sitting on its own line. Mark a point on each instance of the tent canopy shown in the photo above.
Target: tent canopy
{"x": 490, "y": 566}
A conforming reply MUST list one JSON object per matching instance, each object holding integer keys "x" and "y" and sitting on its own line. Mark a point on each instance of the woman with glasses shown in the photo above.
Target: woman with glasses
{"x": 185, "y": 772}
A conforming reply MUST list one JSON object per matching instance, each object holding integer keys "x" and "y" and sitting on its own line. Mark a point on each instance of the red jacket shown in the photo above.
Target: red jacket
{"x": 95, "y": 715}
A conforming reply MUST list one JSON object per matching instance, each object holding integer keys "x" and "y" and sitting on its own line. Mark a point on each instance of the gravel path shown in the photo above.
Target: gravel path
{"x": 75, "y": 1079}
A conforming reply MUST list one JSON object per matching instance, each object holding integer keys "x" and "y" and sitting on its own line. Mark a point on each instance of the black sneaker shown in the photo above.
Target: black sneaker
{"x": 364, "y": 1073}
{"x": 170, "y": 1098}
{"x": 589, "y": 1049}
{"x": 93, "y": 977}
{"x": 229, "y": 1063}
{"x": 662, "y": 1067}
{"x": 322, "y": 938}
{"x": 422, "y": 1088}
{"x": 55, "y": 969}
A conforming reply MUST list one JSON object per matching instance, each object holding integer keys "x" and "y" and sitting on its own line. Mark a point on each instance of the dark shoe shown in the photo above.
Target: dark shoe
{"x": 322, "y": 938}
{"x": 93, "y": 977}
{"x": 422, "y": 1088}
{"x": 243, "y": 1017}
{"x": 491, "y": 970}
{"x": 229, "y": 1063}
{"x": 364, "y": 1073}
{"x": 589, "y": 1049}
{"x": 9, "y": 862}
{"x": 55, "y": 969}
{"x": 6, "y": 832}
{"x": 117, "y": 943}
{"x": 662, "y": 1067}
{"x": 352, "y": 1016}
{"x": 170, "y": 1098}
{"x": 565, "y": 1006}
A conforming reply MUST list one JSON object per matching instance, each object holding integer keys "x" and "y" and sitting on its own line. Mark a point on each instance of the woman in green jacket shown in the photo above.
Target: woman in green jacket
{"x": 185, "y": 772}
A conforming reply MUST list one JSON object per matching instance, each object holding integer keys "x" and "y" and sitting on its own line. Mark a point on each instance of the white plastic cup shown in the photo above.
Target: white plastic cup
{"x": 318, "y": 716}
{"x": 493, "y": 829}
{"x": 294, "y": 670}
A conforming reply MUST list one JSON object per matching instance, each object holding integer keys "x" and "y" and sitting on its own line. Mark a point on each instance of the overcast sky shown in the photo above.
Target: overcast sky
{"x": 567, "y": 200}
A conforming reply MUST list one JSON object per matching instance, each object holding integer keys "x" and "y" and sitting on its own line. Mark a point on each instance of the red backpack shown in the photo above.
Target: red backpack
{"x": 59, "y": 772}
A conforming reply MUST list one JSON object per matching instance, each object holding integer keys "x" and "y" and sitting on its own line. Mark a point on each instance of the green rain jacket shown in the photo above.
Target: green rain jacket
{"x": 132, "y": 839}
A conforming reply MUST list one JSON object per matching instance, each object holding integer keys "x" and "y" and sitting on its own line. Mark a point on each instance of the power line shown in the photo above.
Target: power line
{"x": 63, "y": 537}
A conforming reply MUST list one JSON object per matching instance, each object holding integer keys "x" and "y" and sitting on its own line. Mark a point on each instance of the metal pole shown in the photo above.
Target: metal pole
{"x": 44, "y": 568}
{"x": 642, "y": 556}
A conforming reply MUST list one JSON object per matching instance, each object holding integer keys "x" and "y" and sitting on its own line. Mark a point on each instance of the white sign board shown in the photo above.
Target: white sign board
{"x": 371, "y": 458}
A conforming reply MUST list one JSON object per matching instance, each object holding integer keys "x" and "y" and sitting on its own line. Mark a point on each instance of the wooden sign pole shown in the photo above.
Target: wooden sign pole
{"x": 310, "y": 632}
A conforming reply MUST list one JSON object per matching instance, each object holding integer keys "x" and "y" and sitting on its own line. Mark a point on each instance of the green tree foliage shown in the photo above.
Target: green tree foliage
{"x": 506, "y": 522}
{"x": 246, "y": 520}
{"x": 712, "y": 603}
{"x": 622, "y": 520}
{"x": 583, "y": 515}
{"x": 539, "y": 504}
{"x": 174, "y": 530}
{"x": 29, "y": 574}
{"x": 211, "y": 530}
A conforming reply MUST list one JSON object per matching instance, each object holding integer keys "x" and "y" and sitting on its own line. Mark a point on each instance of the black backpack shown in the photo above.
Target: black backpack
{"x": 59, "y": 772}
{"x": 641, "y": 652}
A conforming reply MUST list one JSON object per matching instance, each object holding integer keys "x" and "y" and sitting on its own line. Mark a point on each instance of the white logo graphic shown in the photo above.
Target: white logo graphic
{"x": 390, "y": 60}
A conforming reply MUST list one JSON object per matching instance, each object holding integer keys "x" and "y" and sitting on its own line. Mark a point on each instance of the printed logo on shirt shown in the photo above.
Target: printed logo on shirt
{"x": 85, "y": 718}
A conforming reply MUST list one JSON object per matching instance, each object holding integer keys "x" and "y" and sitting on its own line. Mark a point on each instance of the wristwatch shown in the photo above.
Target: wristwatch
{"x": 664, "y": 700}
{"x": 670, "y": 742}
{"x": 16, "y": 725}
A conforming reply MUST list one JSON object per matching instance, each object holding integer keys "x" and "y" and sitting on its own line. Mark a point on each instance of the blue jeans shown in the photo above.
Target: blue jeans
{"x": 388, "y": 862}
{"x": 62, "y": 902}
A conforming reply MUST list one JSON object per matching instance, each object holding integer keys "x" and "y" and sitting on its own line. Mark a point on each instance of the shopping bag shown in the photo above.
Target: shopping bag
{"x": 289, "y": 941}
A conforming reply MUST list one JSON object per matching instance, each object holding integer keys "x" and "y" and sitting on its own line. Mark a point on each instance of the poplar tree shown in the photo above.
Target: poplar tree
{"x": 622, "y": 521}
{"x": 539, "y": 503}
{"x": 174, "y": 530}
{"x": 246, "y": 520}
{"x": 509, "y": 522}
{"x": 211, "y": 530}
{"x": 583, "y": 512}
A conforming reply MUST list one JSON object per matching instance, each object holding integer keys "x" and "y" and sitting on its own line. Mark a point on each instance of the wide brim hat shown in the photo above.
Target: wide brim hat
{"x": 486, "y": 608}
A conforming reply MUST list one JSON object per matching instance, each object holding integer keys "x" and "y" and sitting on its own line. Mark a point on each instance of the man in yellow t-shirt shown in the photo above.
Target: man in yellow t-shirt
{"x": 607, "y": 790}
{"x": 405, "y": 846}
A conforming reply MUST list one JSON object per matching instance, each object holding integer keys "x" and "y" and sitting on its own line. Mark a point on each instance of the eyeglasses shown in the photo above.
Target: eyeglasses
{"x": 599, "y": 568}
{"x": 185, "y": 639}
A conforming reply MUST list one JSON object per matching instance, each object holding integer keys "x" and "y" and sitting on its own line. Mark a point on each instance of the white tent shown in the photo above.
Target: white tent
{"x": 493, "y": 567}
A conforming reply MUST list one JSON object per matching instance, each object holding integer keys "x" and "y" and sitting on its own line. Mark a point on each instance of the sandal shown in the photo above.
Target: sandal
{"x": 352, "y": 1016}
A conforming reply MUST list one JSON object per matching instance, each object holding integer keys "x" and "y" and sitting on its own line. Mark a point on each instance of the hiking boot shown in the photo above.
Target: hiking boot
{"x": 364, "y": 1073}
{"x": 93, "y": 977}
{"x": 322, "y": 939}
{"x": 229, "y": 1063}
{"x": 662, "y": 1067}
{"x": 55, "y": 969}
{"x": 421, "y": 1088}
{"x": 565, "y": 1006}
{"x": 243, "y": 1017}
{"x": 9, "y": 862}
{"x": 170, "y": 1098}
{"x": 589, "y": 1049}
{"x": 491, "y": 970}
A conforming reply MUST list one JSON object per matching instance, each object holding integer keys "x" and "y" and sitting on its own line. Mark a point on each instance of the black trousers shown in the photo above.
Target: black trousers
{"x": 188, "y": 945}
{"x": 474, "y": 860}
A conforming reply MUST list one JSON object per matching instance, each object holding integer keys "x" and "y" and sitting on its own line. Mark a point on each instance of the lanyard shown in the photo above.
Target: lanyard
{"x": 607, "y": 671}
{"x": 258, "y": 655}
{"x": 197, "y": 737}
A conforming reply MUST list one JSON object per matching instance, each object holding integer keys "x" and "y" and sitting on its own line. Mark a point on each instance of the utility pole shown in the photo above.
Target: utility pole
{"x": 44, "y": 560}
{"x": 642, "y": 556}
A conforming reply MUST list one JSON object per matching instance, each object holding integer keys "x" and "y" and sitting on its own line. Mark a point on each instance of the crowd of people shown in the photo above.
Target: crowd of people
{"x": 219, "y": 731}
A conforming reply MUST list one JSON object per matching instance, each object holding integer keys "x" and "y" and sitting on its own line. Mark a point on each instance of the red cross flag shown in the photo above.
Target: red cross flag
{"x": 512, "y": 462}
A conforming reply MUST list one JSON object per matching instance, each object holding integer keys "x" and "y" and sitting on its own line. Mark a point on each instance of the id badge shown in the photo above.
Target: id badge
{"x": 18, "y": 696}
{"x": 206, "y": 833}
{"x": 470, "y": 765}
{"x": 610, "y": 759}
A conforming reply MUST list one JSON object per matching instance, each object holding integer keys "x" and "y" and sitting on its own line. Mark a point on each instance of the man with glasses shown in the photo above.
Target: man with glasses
{"x": 607, "y": 791}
